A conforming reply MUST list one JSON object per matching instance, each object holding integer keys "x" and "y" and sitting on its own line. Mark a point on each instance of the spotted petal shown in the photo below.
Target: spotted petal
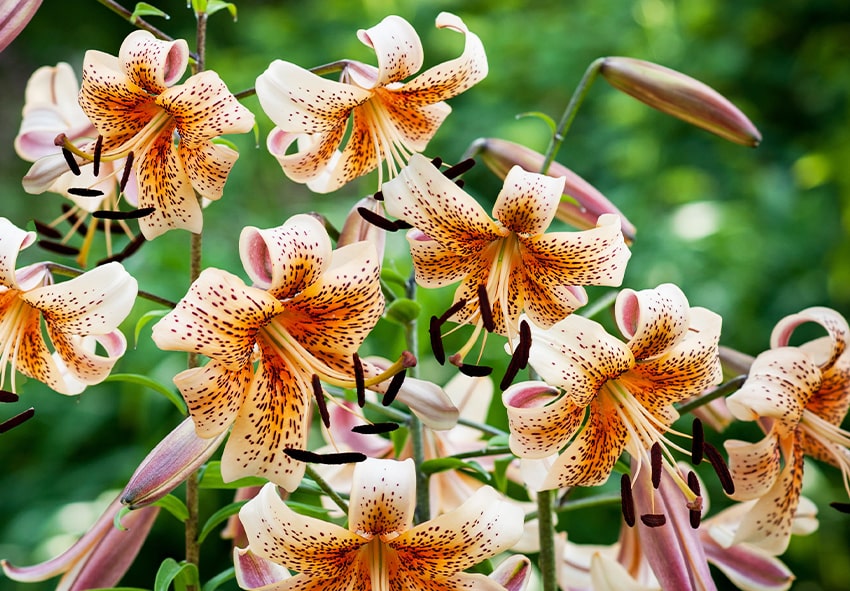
{"x": 754, "y": 466}
{"x": 653, "y": 320}
{"x": 153, "y": 64}
{"x": 397, "y": 47}
{"x": 214, "y": 394}
{"x": 391, "y": 511}
{"x": 12, "y": 241}
{"x": 539, "y": 429}
{"x": 832, "y": 321}
{"x": 527, "y": 202}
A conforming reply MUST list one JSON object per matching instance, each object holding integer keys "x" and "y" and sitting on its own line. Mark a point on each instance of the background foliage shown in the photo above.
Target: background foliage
{"x": 752, "y": 234}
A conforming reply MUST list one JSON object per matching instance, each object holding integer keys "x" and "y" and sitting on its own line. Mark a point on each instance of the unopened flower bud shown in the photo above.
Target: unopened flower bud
{"x": 681, "y": 96}
{"x": 14, "y": 16}
{"x": 586, "y": 204}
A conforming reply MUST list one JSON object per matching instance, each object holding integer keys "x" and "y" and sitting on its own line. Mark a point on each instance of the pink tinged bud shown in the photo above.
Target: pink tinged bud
{"x": 14, "y": 16}
{"x": 583, "y": 203}
{"x": 253, "y": 572}
{"x": 357, "y": 229}
{"x": 99, "y": 558}
{"x": 179, "y": 454}
{"x": 681, "y": 96}
{"x": 513, "y": 573}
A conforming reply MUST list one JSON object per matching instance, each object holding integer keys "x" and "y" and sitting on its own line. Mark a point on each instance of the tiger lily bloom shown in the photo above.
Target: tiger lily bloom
{"x": 803, "y": 393}
{"x": 390, "y": 119}
{"x": 78, "y": 314}
{"x": 626, "y": 390}
{"x": 380, "y": 549}
{"x": 510, "y": 262}
{"x": 303, "y": 319}
{"x": 134, "y": 104}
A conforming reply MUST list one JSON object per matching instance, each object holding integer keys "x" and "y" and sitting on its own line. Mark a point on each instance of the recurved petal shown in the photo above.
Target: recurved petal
{"x": 214, "y": 394}
{"x": 254, "y": 572}
{"x": 287, "y": 259}
{"x": 316, "y": 548}
{"x": 540, "y": 422}
{"x": 513, "y": 573}
{"x": 754, "y": 466}
{"x": 315, "y": 156}
{"x": 832, "y": 400}
{"x": 397, "y": 47}
{"x": 207, "y": 166}
{"x": 12, "y": 240}
{"x": 383, "y": 497}
{"x": 545, "y": 304}
{"x": 653, "y": 320}
{"x": 151, "y": 63}
{"x": 437, "y": 266}
{"x": 483, "y": 526}
{"x": 79, "y": 362}
{"x": 527, "y": 202}
{"x": 219, "y": 318}
{"x": 748, "y": 567}
{"x": 833, "y": 322}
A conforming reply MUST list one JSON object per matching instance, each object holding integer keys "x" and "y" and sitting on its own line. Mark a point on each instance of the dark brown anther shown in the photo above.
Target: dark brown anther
{"x": 377, "y": 220}
{"x": 697, "y": 442}
{"x": 842, "y": 507}
{"x": 437, "y": 340}
{"x": 6, "y": 396}
{"x": 524, "y": 343}
{"x": 486, "y": 310}
{"x": 72, "y": 164}
{"x": 460, "y": 183}
{"x": 402, "y": 225}
{"x": 695, "y": 508}
{"x": 437, "y": 162}
{"x": 378, "y": 196}
{"x": 627, "y": 501}
{"x": 110, "y": 214}
{"x": 98, "y": 148}
{"x": 359, "y": 380}
{"x": 394, "y": 387}
{"x": 134, "y": 245}
{"x": 16, "y": 420}
{"x": 459, "y": 168}
{"x": 319, "y": 395}
{"x": 58, "y": 247}
{"x": 510, "y": 373}
{"x": 84, "y": 192}
{"x": 453, "y": 309}
{"x": 125, "y": 176}
{"x": 655, "y": 463}
{"x": 48, "y": 231}
{"x": 346, "y": 457}
{"x": 475, "y": 371}
{"x": 653, "y": 519}
{"x": 375, "y": 428}
{"x": 720, "y": 468}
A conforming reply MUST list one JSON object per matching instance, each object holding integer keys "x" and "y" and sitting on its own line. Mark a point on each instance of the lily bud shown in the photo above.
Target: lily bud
{"x": 513, "y": 573}
{"x": 355, "y": 228}
{"x": 179, "y": 454}
{"x": 14, "y": 16}
{"x": 681, "y": 96}
{"x": 586, "y": 203}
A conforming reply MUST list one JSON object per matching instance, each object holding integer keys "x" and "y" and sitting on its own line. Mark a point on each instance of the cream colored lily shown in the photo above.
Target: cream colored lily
{"x": 380, "y": 549}
{"x": 511, "y": 260}
{"x": 134, "y": 104}
{"x": 804, "y": 393}
{"x": 390, "y": 119}
{"x": 77, "y": 314}
{"x": 626, "y": 390}
{"x": 306, "y": 315}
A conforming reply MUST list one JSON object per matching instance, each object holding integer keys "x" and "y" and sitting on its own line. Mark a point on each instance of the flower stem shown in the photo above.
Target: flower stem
{"x": 546, "y": 562}
{"x": 326, "y": 488}
{"x": 722, "y": 390}
{"x": 417, "y": 434}
{"x": 137, "y": 22}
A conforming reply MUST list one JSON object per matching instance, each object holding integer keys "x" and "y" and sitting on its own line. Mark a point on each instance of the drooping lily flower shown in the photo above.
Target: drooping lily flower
{"x": 134, "y": 104}
{"x": 305, "y": 316}
{"x": 805, "y": 392}
{"x": 99, "y": 558}
{"x": 390, "y": 119}
{"x": 380, "y": 549}
{"x": 77, "y": 314}
{"x": 626, "y": 390}
{"x": 511, "y": 262}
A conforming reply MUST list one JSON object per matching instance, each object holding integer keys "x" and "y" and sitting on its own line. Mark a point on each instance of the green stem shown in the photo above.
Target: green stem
{"x": 138, "y": 22}
{"x": 417, "y": 431}
{"x": 483, "y": 427}
{"x": 722, "y": 390}
{"x": 546, "y": 562}
{"x": 326, "y": 488}
{"x": 487, "y": 451}
{"x": 581, "y": 504}
{"x": 600, "y": 304}
{"x": 322, "y": 70}
{"x": 570, "y": 113}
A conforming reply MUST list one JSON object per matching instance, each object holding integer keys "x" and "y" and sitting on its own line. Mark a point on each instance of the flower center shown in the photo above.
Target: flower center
{"x": 16, "y": 316}
{"x": 832, "y": 443}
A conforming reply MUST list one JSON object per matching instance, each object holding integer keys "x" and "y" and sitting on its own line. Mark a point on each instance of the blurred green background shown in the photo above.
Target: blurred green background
{"x": 752, "y": 234}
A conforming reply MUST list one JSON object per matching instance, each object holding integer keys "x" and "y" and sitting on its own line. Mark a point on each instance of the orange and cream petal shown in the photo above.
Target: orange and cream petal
{"x": 23, "y": 345}
{"x": 207, "y": 166}
{"x": 412, "y": 126}
{"x": 316, "y": 548}
{"x": 287, "y": 259}
{"x": 219, "y": 317}
{"x": 653, "y": 320}
{"x": 214, "y": 394}
{"x": 12, "y": 240}
{"x": 589, "y": 459}
{"x": 579, "y": 356}
{"x": 754, "y": 466}
{"x": 832, "y": 399}
{"x": 540, "y": 419}
{"x": 397, "y": 48}
{"x": 315, "y": 154}
{"x": 450, "y": 78}
{"x": 437, "y": 266}
{"x": 274, "y": 416}
{"x": 77, "y": 360}
{"x": 383, "y": 497}
{"x": 483, "y": 526}
{"x": 151, "y": 63}
{"x": 545, "y": 304}
{"x": 528, "y": 201}
{"x": 834, "y": 324}
{"x": 422, "y": 196}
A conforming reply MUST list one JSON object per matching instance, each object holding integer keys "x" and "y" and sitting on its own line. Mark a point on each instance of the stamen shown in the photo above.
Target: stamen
{"x": 459, "y": 168}
{"x": 84, "y": 192}
{"x": 453, "y": 309}
{"x": 125, "y": 176}
{"x": 460, "y": 183}
{"x": 48, "y": 231}
{"x": 519, "y": 360}
{"x": 627, "y": 501}
{"x": 697, "y": 442}
{"x": 437, "y": 162}
{"x": 655, "y": 463}
{"x": 109, "y": 214}
{"x": 359, "y": 380}
{"x": 6, "y": 396}
{"x": 653, "y": 519}
{"x": 377, "y": 220}
{"x": 375, "y": 428}
{"x": 319, "y": 395}
{"x": 16, "y": 420}
{"x": 695, "y": 508}
{"x": 58, "y": 247}
{"x": 394, "y": 387}
{"x": 485, "y": 308}
{"x": 842, "y": 507}
{"x": 128, "y": 250}
{"x": 402, "y": 225}
{"x": 346, "y": 457}
{"x": 98, "y": 148}
{"x": 474, "y": 371}
{"x": 437, "y": 340}
{"x": 719, "y": 464}
{"x": 72, "y": 164}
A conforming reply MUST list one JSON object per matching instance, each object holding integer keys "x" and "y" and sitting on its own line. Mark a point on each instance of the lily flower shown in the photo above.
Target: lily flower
{"x": 380, "y": 549}
{"x": 77, "y": 314}
{"x": 804, "y": 392}
{"x": 304, "y": 318}
{"x": 505, "y": 265}
{"x": 390, "y": 119}
{"x": 99, "y": 558}
{"x": 625, "y": 391}
{"x": 136, "y": 107}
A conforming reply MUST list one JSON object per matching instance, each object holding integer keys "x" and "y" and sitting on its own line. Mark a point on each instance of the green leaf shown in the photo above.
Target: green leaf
{"x": 152, "y": 315}
{"x": 147, "y": 382}
{"x": 211, "y": 478}
{"x": 214, "y": 6}
{"x": 145, "y": 9}
{"x": 182, "y": 574}
{"x": 553, "y": 127}
{"x": 500, "y": 473}
{"x": 390, "y": 275}
{"x": 399, "y": 439}
{"x": 442, "y": 464}
{"x": 218, "y": 580}
{"x": 223, "y": 142}
{"x": 309, "y": 510}
{"x": 403, "y": 311}
{"x": 219, "y": 517}
{"x": 174, "y": 506}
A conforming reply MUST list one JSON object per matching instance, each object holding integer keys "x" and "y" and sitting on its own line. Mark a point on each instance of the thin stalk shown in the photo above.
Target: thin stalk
{"x": 722, "y": 390}
{"x": 483, "y": 427}
{"x": 326, "y": 488}
{"x": 138, "y": 22}
{"x": 581, "y": 504}
{"x": 546, "y": 562}
{"x": 322, "y": 70}
{"x": 417, "y": 433}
